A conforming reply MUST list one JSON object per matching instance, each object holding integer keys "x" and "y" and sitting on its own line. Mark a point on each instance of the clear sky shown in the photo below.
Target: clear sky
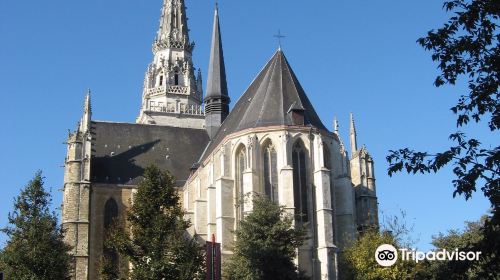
{"x": 350, "y": 56}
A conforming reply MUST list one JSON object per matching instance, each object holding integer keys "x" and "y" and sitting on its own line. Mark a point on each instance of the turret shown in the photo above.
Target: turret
{"x": 75, "y": 211}
{"x": 217, "y": 97}
{"x": 363, "y": 180}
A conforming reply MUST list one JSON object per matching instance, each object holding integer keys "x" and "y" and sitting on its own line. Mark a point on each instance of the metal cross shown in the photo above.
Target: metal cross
{"x": 279, "y": 36}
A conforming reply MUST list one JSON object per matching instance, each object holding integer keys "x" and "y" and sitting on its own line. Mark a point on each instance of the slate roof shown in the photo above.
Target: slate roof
{"x": 268, "y": 101}
{"x": 216, "y": 82}
{"x": 121, "y": 151}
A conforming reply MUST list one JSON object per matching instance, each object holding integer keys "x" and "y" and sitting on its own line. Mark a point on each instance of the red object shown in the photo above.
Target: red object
{"x": 213, "y": 260}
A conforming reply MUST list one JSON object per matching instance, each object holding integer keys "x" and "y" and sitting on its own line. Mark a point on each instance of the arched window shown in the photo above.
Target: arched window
{"x": 176, "y": 79}
{"x": 238, "y": 191}
{"x": 161, "y": 80}
{"x": 270, "y": 172}
{"x": 300, "y": 191}
{"x": 110, "y": 214}
{"x": 326, "y": 157}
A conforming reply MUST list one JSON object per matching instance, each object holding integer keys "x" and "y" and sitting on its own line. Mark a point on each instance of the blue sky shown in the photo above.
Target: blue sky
{"x": 350, "y": 56}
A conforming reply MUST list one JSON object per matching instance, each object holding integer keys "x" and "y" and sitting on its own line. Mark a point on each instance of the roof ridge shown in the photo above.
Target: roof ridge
{"x": 266, "y": 93}
{"x": 282, "y": 107}
{"x": 294, "y": 81}
{"x": 264, "y": 78}
{"x": 254, "y": 79}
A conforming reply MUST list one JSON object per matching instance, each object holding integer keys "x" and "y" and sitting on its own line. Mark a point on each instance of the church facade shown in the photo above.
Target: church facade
{"x": 272, "y": 142}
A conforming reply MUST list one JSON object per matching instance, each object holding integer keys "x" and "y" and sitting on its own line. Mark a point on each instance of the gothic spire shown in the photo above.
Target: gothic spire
{"x": 173, "y": 31}
{"x": 217, "y": 97}
{"x": 352, "y": 135}
{"x": 87, "y": 107}
{"x": 216, "y": 83}
{"x": 335, "y": 126}
{"x": 87, "y": 114}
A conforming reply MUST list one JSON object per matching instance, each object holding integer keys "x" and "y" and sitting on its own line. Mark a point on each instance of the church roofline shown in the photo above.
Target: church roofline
{"x": 267, "y": 101}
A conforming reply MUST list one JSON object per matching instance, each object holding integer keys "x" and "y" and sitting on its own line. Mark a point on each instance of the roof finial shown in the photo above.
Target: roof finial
{"x": 352, "y": 135}
{"x": 84, "y": 124}
{"x": 87, "y": 107}
{"x": 279, "y": 36}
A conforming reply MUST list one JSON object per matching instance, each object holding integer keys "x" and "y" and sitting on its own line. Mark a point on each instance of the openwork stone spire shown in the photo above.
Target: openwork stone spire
{"x": 171, "y": 87}
{"x": 173, "y": 31}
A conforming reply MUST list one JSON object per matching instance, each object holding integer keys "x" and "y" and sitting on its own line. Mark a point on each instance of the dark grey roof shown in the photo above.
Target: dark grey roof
{"x": 216, "y": 82}
{"x": 121, "y": 151}
{"x": 268, "y": 102}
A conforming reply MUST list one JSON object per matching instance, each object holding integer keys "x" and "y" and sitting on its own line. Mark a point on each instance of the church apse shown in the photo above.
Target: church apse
{"x": 272, "y": 142}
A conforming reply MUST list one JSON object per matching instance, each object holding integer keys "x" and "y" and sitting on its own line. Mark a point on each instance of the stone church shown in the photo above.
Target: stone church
{"x": 272, "y": 142}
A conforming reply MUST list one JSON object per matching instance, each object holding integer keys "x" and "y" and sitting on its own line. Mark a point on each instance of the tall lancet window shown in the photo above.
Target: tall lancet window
{"x": 300, "y": 191}
{"x": 327, "y": 157}
{"x": 270, "y": 172}
{"x": 176, "y": 78}
{"x": 110, "y": 214}
{"x": 238, "y": 191}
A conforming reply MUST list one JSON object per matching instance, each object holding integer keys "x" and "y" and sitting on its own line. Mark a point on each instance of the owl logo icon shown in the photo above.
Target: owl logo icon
{"x": 386, "y": 255}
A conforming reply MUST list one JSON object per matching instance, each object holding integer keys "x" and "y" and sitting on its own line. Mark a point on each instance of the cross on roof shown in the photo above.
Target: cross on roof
{"x": 279, "y": 36}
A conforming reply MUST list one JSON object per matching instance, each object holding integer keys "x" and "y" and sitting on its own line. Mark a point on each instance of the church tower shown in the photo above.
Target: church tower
{"x": 172, "y": 95}
{"x": 76, "y": 193}
{"x": 217, "y": 98}
{"x": 363, "y": 180}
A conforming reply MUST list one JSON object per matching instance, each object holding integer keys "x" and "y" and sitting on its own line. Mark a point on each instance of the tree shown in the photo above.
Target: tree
{"x": 157, "y": 244}
{"x": 467, "y": 45}
{"x": 470, "y": 239}
{"x": 35, "y": 249}
{"x": 358, "y": 261}
{"x": 108, "y": 269}
{"x": 265, "y": 244}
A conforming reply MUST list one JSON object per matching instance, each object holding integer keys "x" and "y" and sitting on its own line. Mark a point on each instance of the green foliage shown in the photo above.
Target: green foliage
{"x": 265, "y": 245}
{"x": 35, "y": 249}
{"x": 468, "y": 46}
{"x": 470, "y": 239}
{"x": 157, "y": 243}
{"x": 358, "y": 262}
{"x": 107, "y": 269}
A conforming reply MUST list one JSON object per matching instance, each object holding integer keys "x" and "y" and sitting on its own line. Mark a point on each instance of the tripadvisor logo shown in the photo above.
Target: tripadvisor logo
{"x": 387, "y": 255}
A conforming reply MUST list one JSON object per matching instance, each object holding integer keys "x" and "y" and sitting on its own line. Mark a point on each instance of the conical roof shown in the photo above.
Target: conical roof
{"x": 268, "y": 101}
{"x": 216, "y": 82}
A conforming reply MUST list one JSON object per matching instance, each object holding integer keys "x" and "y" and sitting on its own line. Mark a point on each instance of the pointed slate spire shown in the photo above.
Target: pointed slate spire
{"x": 352, "y": 135}
{"x": 173, "y": 31}
{"x": 216, "y": 83}
{"x": 217, "y": 97}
